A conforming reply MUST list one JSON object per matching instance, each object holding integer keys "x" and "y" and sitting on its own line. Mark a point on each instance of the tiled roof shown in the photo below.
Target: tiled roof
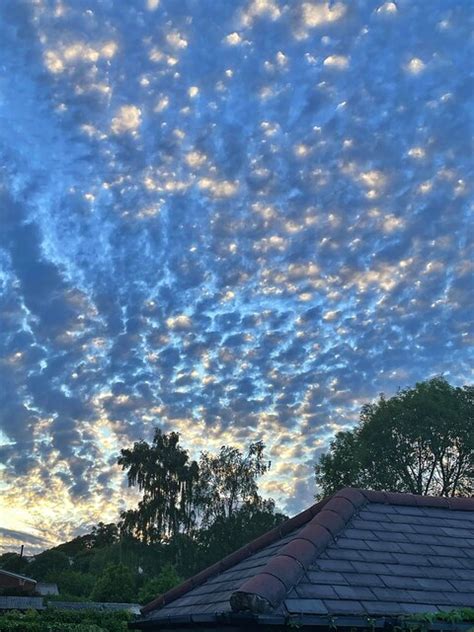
{"x": 358, "y": 553}
{"x": 21, "y": 603}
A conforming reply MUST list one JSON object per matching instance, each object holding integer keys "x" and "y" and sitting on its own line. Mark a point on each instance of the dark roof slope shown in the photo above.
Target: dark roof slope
{"x": 357, "y": 553}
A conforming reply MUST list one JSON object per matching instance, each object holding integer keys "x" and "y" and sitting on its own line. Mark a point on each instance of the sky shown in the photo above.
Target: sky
{"x": 237, "y": 219}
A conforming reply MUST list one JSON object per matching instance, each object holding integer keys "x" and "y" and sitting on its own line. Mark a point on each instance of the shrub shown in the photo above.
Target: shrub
{"x": 114, "y": 585}
{"x": 52, "y": 620}
{"x": 168, "y": 578}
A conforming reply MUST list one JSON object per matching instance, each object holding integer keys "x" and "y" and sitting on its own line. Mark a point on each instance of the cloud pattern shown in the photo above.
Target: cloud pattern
{"x": 240, "y": 220}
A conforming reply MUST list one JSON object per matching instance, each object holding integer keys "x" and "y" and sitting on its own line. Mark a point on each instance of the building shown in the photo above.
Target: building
{"x": 357, "y": 560}
{"x": 18, "y": 583}
{"x": 47, "y": 589}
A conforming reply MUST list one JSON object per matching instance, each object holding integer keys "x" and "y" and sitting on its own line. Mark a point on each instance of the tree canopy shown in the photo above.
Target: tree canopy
{"x": 420, "y": 441}
{"x": 167, "y": 478}
{"x": 228, "y": 480}
{"x": 116, "y": 584}
{"x": 181, "y": 496}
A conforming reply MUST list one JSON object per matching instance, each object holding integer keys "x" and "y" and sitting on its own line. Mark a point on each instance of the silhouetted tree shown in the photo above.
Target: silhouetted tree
{"x": 167, "y": 478}
{"x": 419, "y": 441}
{"x": 228, "y": 480}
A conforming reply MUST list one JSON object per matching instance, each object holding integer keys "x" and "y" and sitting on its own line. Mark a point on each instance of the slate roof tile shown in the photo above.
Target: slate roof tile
{"x": 325, "y": 577}
{"x": 344, "y": 606}
{"x": 354, "y": 592}
{"x": 363, "y": 579}
{"x": 309, "y": 606}
{"x": 316, "y": 591}
{"x": 359, "y": 552}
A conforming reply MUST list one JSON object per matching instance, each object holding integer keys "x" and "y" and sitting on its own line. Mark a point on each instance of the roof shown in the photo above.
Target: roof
{"x": 95, "y": 605}
{"x": 21, "y": 603}
{"x": 358, "y": 553}
{"x": 16, "y": 576}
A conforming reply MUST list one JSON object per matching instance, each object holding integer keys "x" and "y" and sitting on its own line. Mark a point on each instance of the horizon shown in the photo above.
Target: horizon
{"x": 238, "y": 220}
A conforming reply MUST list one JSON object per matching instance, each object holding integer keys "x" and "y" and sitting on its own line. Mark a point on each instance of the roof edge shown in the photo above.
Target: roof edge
{"x": 265, "y": 591}
{"x": 234, "y": 558}
{"x": 17, "y": 576}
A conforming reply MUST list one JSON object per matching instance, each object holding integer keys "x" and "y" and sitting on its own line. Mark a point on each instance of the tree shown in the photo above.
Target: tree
{"x": 167, "y": 579}
{"x": 163, "y": 472}
{"x": 14, "y": 563}
{"x": 48, "y": 562}
{"x": 114, "y": 585}
{"x": 419, "y": 441}
{"x": 104, "y": 535}
{"x": 73, "y": 584}
{"x": 228, "y": 480}
{"x": 228, "y": 533}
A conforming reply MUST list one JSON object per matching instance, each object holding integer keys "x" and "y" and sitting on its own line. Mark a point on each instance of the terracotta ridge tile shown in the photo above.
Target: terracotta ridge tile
{"x": 455, "y": 503}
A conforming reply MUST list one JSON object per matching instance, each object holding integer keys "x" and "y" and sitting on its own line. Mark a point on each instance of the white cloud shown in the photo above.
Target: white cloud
{"x": 337, "y": 61}
{"x": 128, "y": 119}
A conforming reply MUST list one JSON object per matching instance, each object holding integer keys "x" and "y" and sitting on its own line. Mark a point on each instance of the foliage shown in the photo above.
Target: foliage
{"x": 73, "y": 584}
{"x": 190, "y": 516}
{"x": 228, "y": 480}
{"x": 167, "y": 579}
{"x": 53, "y": 620}
{"x": 450, "y": 616}
{"x": 163, "y": 472}
{"x": 226, "y": 534}
{"x": 116, "y": 584}
{"x": 419, "y": 441}
{"x": 101, "y": 535}
{"x": 47, "y": 563}
{"x": 14, "y": 563}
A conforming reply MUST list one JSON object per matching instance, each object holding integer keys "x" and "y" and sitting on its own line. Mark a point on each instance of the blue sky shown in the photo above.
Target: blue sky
{"x": 236, "y": 219}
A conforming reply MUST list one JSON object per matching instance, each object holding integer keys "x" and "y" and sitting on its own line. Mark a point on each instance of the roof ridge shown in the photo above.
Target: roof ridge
{"x": 455, "y": 503}
{"x": 237, "y": 556}
{"x": 266, "y": 590}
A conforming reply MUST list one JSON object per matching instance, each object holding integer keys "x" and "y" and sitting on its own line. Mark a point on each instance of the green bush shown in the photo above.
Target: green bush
{"x": 71, "y": 583}
{"x": 52, "y": 620}
{"x": 168, "y": 578}
{"x": 116, "y": 584}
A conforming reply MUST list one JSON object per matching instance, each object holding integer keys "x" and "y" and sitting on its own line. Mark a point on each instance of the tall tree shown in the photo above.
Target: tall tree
{"x": 419, "y": 441}
{"x": 167, "y": 478}
{"x": 228, "y": 480}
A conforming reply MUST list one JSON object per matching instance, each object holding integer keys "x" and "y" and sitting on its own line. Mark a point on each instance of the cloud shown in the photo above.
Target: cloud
{"x": 239, "y": 228}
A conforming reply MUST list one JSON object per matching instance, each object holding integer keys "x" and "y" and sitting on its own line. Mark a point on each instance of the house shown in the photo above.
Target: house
{"x": 18, "y": 583}
{"x": 357, "y": 560}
